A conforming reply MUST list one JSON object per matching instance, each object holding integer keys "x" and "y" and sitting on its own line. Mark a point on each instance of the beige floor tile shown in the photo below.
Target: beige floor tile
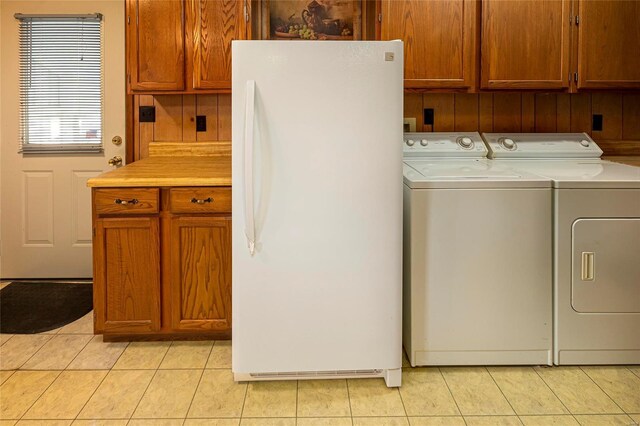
{"x": 437, "y": 421}
{"x": 218, "y": 396}
{"x": 4, "y": 284}
{"x": 605, "y": 420}
{"x": 475, "y": 392}
{"x": 66, "y": 396}
{"x": 565, "y": 420}
{"x": 19, "y": 349}
{"x": 635, "y": 369}
{"x": 142, "y": 355}
{"x": 212, "y": 422}
{"x": 492, "y": 421}
{"x": 21, "y": 390}
{"x": 324, "y": 421}
{"x": 187, "y": 355}
{"x": 43, "y": 423}
{"x": 4, "y": 338}
{"x": 4, "y": 375}
{"x": 8, "y": 422}
{"x": 82, "y": 325}
{"x": 323, "y": 398}
{"x": 169, "y": 394}
{"x": 635, "y": 417}
{"x": 220, "y": 355}
{"x": 425, "y": 393}
{"x": 620, "y": 384}
{"x": 155, "y": 422}
{"x": 268, "y": 422}
{"x": 576, "y": 391}
{"x": 526, "y": 391}
{"x": 380, "y": 421}
{"x": 98, "y": 355}
{"x": 271, "y": 399}
{"x": 118, "y": 395}
{"x": 100, "y": 422}
{"x": 372, "y": 397}
{"x": 57, "y": 353}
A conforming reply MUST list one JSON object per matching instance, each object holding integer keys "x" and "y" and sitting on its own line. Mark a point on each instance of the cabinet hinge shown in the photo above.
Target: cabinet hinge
{"x": 575, "y": 77}
{"x": 128, "y": 20}
{"x": 577, "y": 20}
{"x": 379, "y": 17}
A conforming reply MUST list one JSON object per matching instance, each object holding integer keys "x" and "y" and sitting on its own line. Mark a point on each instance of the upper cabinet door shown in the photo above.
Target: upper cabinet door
{"x": 525, "y": 44}
{"x": 609, "y": 44}
{"x": 212, "y": 25}
{"x": 155, "y": 45}
{"x": 439, "y": 40}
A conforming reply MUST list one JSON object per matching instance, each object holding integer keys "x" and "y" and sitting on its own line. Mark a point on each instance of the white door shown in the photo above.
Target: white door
{"x": 45, "y": 206}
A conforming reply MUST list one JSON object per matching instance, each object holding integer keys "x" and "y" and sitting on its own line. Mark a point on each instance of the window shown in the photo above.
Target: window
{"x": 60, "y": 83}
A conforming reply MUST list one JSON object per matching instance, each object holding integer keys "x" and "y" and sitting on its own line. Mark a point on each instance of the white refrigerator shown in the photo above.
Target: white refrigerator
{"x": 317, "y": 210}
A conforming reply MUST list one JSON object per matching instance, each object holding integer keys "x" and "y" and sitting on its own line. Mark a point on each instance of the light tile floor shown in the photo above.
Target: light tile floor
{"x": 68, "y": 376}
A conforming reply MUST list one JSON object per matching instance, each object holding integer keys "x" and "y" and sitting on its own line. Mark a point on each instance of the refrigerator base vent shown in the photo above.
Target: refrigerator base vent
{"x": 316, "y": 374}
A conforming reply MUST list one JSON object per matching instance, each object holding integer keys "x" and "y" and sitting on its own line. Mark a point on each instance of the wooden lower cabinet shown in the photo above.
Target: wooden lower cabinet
{"x": 165, "y": 274}
{"x": 201, "y": 273}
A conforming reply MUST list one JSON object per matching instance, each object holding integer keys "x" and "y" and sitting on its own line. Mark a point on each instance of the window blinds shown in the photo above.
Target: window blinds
{"x": 60, "y": 83}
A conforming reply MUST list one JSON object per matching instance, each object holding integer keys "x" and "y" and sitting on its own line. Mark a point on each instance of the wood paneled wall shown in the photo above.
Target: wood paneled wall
{"x": 534, "y": 112}
{"x": 176, "y": 120}
{"x": 484, "y": 112}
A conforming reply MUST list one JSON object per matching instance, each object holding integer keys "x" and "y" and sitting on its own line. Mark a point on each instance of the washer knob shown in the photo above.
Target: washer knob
{"x": 424, "y": 142}
{"x": 410, "y": 142}
{"x": 585, "y": 143}
{"x": 508, "y": 143}
{"x": 465, "y": 142}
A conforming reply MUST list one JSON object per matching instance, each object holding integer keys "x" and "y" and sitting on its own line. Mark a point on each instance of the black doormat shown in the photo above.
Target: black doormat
{"x": 28, "y": 307}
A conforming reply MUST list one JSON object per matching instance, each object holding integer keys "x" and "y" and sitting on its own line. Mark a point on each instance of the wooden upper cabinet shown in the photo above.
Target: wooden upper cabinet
{"x": 211, "y": 26}
{"x": 609, "y": 44}
{"x": 439, "y": 40}
{"x": 525, "y": 44}
{"x": 155, "y": 34}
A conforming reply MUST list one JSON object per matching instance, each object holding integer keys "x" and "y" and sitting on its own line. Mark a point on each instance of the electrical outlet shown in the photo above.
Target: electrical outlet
{"x": 201, "y": 123}
{"x": 596, "y": 125}
{"x": 409, "y": 124}
{"x": 428, "y": 116}
{"x": 147, "y": 114}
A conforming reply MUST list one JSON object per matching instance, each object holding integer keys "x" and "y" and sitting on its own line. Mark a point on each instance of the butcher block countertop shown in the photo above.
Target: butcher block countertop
{"x": 168, "y": 171}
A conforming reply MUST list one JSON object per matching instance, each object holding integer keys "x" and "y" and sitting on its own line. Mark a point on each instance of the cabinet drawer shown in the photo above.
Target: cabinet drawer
{"x": 200, "y": 200}
{"x": 126, "y": 200}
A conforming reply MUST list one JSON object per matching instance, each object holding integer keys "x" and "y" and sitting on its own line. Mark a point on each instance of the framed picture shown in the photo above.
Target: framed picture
{"x": 313, "y": 19}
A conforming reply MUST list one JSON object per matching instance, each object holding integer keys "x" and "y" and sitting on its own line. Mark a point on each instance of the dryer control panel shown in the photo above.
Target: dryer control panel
{"x": 541, "y": 145}
{"x": 444, "y": 144}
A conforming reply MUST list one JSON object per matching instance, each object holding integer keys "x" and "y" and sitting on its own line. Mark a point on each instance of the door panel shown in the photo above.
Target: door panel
{"x": 439, "y": 40}
{"x": 46, "y": 207}
{"x": 606, "y": 271}
{"x": 525, "y": 44}
{"x": 609, "y": 44}
{"x": 201, "y": 273}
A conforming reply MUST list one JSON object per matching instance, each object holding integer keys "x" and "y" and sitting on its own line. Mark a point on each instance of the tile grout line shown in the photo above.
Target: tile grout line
{"x": 37, "y": 350}
{"x": 554, "y": 394}
{"x": 444, "y": 379}
{"x": 143, "y": 393}
{"x": 195, "y": 391}
{"x": 244, "y": 400}
{"x": 92, "y": 393}
{"x": 603, "y": 391}
{"x": 349, "y": 399}
{"x": 297, "y": 393}
{"x": 502, "y": 393}
{"x": 40, "y": 396}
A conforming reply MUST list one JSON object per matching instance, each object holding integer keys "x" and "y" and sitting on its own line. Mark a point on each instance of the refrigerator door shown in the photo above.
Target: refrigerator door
{"x": 317, "y": 207}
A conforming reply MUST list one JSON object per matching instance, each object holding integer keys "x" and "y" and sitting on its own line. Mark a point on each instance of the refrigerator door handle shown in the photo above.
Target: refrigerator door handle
{"x": 249, "y": 221}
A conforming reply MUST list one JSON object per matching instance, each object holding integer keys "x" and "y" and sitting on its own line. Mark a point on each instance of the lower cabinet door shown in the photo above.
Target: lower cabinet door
{"x": 201, "y": 273}
{"x": 127, "y": 275}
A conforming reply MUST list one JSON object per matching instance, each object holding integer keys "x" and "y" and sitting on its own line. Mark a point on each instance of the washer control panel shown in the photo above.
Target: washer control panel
{"x": 444, "y": 144}
{"x": 541, "y": 145}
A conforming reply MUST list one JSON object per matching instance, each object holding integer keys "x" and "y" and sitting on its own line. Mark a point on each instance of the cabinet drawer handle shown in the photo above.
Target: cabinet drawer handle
{"x": 206, "y": 200}
{"x": 126, "y": 202}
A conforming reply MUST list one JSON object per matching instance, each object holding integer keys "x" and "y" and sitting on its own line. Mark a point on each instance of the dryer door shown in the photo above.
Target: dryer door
{"x": 606, "y": 265}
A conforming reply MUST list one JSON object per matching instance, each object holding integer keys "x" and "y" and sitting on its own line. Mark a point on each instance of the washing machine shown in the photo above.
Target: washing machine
{"x": 596, "y": 244}
{"x": 477, "y": 283}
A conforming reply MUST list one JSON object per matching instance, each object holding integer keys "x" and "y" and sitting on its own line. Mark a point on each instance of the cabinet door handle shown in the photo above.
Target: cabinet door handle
{"x": 203, "y": 201}
{"x": 126, "y": 202}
